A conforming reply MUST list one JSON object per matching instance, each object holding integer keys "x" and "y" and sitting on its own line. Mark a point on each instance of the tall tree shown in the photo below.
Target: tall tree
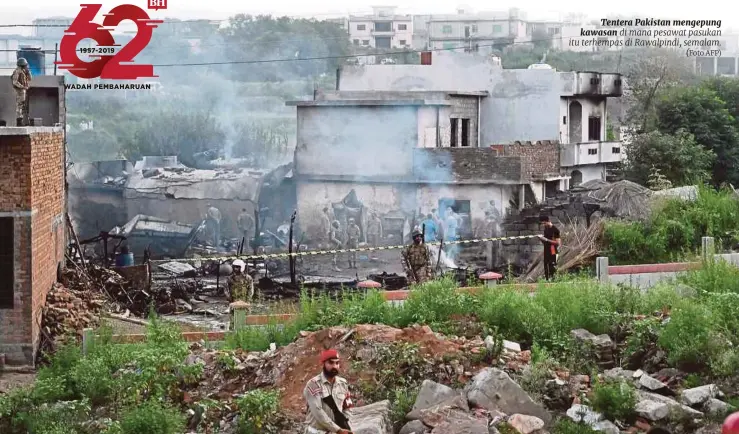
{"x": 702, "y": 113}
{"x": 679, "y": 158}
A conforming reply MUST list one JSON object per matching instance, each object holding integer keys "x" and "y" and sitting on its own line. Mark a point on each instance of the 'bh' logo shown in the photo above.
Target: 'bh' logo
{"x": 157, "y": 4}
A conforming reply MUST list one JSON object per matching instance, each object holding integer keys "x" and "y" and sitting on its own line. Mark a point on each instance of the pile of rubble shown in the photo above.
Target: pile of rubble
{"x": 66, "y": 313}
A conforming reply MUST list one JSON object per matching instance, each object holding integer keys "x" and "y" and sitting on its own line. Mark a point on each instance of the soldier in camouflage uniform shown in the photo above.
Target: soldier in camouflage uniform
{"x": 240, "y": 284}
{"x": 335, "y": 242}
{"x": 417, "y": 260}
{"x": 21, "y": 79}
{"x": 353, "y": 232}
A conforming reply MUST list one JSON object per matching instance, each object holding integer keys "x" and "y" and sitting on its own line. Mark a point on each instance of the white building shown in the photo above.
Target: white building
{"x": 384, "y": 29}
{"x": 476, "y": 32}
{"x": 524, "y": 105}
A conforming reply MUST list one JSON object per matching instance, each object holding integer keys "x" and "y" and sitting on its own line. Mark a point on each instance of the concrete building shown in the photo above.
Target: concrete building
{"x": 52, "y": 27}
{"x": 474, "y": 32}
{"x": 725, "y": 64}
{"x": 46, "y": 100}
{"x": 401, "y": 154}
{"x": 530, "y": 105}
{"x": 382, "y": 29}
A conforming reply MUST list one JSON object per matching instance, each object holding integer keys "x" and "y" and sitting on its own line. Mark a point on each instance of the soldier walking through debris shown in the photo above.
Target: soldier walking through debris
{"x": 213, "y": 218}
{"x": 353, "y": 232}
{"x": 240, "y": 284}
{"x": 246, "y": 225}
{"x": 417, "y": 260}
{"x": 21, "y": 79}
{"x": 335, "y": 242}
{"x": 328, "y": 398}
{"x": 551, "y": 241}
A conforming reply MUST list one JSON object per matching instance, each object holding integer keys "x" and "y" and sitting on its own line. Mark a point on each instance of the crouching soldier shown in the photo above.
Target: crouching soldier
{"x": 328, "y": 398}
{"x": 240, "y": 284}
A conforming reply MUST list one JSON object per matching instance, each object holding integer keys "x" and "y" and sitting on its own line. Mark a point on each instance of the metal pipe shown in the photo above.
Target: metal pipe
{"x": 479, "y": 103}
{"x": 293, "y": 279}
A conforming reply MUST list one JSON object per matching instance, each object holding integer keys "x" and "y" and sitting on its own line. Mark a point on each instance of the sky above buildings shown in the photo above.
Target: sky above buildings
{"x": 19, "y": 13}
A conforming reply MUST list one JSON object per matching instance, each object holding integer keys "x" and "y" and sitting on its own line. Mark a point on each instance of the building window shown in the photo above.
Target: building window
{"x": 7, "y": 276}
{"x": 497, "y": 28}
{"x": 383, "y": 42}
{"x": 356, "y": 42}
{"x": 616, "y": 150}
{"x": 402, "y": 26}
{"x": 594, "y": 129}
{"x": 465, "y": 132}
{"x": 593, "y": 151}
{"x": 474, "y": 28}
{"x": 453, "y": 141}
{"x": 365, "y": 42}
{"x": 564, "y": 120}
{"x": 383, "y": 27}
{"x": 446, "y": 29}
{"x": 402, "y": 42}
{"x": 450, "y": 45}
{"x": 361, "y": 27}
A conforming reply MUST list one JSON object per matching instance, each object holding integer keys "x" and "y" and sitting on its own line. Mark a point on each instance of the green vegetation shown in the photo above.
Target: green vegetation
{"x": 675, "y": 229}
{"x": 143, "y": 385}
{"x": 615, "y": 400}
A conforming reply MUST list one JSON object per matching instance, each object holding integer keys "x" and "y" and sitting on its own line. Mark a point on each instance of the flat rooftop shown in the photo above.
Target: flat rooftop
{"x": 24, "y": 131}
{"x": 366, "y": 103}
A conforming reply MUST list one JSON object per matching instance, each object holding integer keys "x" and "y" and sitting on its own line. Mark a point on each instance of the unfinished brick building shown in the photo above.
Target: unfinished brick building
{"x": 32, "y": 233}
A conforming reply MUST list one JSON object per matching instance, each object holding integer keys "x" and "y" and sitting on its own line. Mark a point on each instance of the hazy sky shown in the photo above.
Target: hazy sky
{"x": 536, "y": 9}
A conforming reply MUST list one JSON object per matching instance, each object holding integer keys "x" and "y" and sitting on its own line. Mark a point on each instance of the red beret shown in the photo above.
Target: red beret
{"x": 328, "y": 355}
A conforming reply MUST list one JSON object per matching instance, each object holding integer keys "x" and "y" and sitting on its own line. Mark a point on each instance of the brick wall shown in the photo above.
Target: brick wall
{"x": 539, "y": 158}
{"x": 465, "y": 164}
{"x": 32, "y": 192}
{"x": 48, "y": 234}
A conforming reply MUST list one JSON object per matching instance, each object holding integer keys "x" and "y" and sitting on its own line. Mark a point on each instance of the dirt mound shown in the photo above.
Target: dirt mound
{"x": 289, "y": 368}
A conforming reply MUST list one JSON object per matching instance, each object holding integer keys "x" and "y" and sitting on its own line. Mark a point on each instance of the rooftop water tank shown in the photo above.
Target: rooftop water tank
{"x": 35, "y": 58}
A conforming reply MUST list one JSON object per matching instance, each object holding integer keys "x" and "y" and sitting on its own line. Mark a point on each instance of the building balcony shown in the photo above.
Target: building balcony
{"x": 579, "y": 154}
{"x": 591, "y": 84}
{"x": 382, "y": 32}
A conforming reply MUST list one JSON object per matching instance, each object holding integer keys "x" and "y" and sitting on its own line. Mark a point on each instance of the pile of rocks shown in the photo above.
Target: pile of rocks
{"x": 657, "y": 402}
{"x": 489, "y": 400}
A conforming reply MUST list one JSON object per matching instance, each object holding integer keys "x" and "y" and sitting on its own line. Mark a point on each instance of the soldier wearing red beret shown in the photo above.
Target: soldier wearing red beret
{"x": 328, "y": 398}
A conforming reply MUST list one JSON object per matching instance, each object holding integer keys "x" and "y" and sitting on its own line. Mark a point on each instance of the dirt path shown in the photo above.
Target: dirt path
{"x": 12, "y": 380}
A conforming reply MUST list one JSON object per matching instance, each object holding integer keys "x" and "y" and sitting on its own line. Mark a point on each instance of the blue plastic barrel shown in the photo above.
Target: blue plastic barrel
{"x": 35, "y": 58}
{"x": 124, "y": 260}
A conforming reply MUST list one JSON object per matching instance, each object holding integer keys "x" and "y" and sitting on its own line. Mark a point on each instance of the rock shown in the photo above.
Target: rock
{"x": 557, "y": 395}
{"x": 638, "y": 373}
{"x": 493, "y": 389}
{"x": 372, "y": 419}
{"x": 674, "y": 406}
{"x": 453, "y": 407}
{"x": 413, "y": 427}
{"x": 652, "y": 410}
{"x": 526, "y": 424}
{"x": 649, "y": 383}
{"x": 584, "y": 414}
{"x": 432, "y": 393}
{"x": 477, "y": 426}
{"x": 606, "y": 426}
{"x": 618, "y": 374}
{"x": 511, "y": 346}
{"x": 699, "y": 395}
{"x": 717, "y": 407}
{"x": 602, "y": 345}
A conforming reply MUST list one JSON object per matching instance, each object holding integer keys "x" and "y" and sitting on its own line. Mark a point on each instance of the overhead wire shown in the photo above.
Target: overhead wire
{"x": 348, "y": 56}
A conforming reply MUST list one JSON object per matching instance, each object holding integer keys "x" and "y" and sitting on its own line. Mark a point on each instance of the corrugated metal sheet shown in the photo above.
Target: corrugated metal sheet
{"x": 195, "y": 184}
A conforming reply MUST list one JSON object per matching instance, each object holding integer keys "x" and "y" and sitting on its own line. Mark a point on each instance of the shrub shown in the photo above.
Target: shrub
{"x": 256, "y": 408}
{"x": 152, "y": 417}
{"x": 615, "y": 400}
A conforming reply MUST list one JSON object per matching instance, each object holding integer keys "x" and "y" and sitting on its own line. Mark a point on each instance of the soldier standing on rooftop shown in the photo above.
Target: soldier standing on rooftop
{"x": 21, "y": 79}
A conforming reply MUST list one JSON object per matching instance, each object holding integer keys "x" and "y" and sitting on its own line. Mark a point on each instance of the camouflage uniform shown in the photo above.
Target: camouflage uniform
{"x": 374, "y": 231}
{"x": 246, "y": 225}
{"x": 417, "y": 263}
{"x": 320, "y": 418}
{"x": 21, "y": 79}
{"x": 334, "y": 241}
{"x": 241, "y": 287}
{"x": 353, "y": 232}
